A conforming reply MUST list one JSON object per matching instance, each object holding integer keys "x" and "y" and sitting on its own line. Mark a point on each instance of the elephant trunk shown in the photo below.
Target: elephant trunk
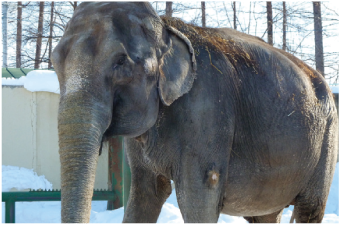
{"x": 80, "y": 136}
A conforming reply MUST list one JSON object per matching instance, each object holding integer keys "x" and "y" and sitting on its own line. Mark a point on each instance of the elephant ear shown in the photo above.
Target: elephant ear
{"x": 177, "y": 67}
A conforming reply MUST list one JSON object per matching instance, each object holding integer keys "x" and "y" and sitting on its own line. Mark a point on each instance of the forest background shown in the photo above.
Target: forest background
{"x": 308, "y": 30}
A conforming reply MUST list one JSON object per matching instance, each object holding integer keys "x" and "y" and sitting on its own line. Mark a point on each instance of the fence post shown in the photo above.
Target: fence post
{"x": 119, "y": 173}
{"x": 10, "y": 211}
{"x": 116, "y": 152}
{"x": 126, "y": 178}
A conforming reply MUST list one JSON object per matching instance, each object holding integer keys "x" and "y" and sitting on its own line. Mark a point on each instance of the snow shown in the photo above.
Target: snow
{"x": 13, "y": 81}
{"x": 20, "y": 179}
{"x": 49, "y": 212}
{"x": 36, "y": 80}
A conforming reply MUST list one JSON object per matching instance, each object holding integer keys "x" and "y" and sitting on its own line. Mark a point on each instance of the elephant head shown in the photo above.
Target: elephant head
{"x": 116, "y": 62}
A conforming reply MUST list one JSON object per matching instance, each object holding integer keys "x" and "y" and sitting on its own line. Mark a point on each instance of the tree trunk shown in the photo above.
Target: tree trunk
{"x": 203, "y": 13}
{"x": 168, "y": 9}
{"x": 19, "y": 35}
{"x": 284, "y": 29}
{"x": 249, "y": 17}
{"x": 39, "y": 38}
{"x": 4, "y": 33}
{"x": 50, "y": 38}
{"x": 234, "y": 9}
{"x": 270, "y": 23}
{"x": 74, "y": 5}
{"x": 319, "y": 62}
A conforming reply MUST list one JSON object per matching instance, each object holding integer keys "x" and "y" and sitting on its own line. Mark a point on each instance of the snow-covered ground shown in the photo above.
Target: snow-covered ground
{"x": 15, "y": 178}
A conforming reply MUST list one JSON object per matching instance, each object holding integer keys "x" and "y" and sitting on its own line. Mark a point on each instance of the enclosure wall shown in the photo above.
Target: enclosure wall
{"x": 30, "y": 134}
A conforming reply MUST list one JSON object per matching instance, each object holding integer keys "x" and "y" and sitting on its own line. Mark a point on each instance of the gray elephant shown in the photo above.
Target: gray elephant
{"x": 241, "y": 127}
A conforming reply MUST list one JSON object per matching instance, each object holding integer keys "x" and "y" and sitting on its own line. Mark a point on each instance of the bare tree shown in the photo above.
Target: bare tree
{"x": 168, "y": 9}
{"x": 29, "y": 31}
{"x": 284, "y": 27}
{"x": 294, "y": 22}
{"x": 234, "y": 9}
{"x": 270, "y": 23}
{"x": 44, "y": 35}
{"x": 50, "y": 37}
{"x": 40, "y": 34}
{"x": 203, "y": 14}
{"x": 319, "y": 61}
{"x": 74, "y": 5}
{"x": 19, "y": 35}
{"x": 4, "y": 33}
{"x": 249, "y": 16}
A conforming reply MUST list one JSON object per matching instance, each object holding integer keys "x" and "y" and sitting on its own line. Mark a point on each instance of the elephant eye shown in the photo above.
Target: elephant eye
{"x": 120, "y": 61}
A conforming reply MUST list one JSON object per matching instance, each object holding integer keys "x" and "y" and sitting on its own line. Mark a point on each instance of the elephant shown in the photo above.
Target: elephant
{"x": 240, "y": 127}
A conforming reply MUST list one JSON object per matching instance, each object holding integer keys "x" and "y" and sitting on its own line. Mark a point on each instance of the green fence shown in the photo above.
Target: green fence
{"x": 15, "y": 72}
{"x": 119, "y": 178}
{"x": 11, "y": 197}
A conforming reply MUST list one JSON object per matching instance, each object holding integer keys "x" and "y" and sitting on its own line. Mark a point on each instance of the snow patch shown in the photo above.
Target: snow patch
{"x": 13, "y": 81}
{"x": 36, "y": 80}
{"x": 21, "y": 179}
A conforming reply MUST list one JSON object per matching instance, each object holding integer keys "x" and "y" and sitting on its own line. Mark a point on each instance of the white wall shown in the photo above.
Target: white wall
{"x": 30, "y": 135}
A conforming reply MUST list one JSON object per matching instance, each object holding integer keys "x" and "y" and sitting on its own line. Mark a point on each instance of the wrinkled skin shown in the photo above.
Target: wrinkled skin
{"x": 248, "y": 132}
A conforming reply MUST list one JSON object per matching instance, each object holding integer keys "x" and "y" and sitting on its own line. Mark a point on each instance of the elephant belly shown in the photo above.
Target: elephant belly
{"x": 254, "y": 191}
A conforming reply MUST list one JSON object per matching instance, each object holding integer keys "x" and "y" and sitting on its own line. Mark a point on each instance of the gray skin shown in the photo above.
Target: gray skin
{"x": 242, "y": 128}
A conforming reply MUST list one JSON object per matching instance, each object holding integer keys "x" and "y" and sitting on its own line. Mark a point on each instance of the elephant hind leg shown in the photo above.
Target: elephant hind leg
{"x": 270, "y": 218}
{"x": 310, "y": 203}
{"x": 307, "y": 212}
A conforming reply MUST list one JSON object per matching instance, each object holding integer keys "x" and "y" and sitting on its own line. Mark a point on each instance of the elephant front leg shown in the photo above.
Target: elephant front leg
{"x": 147, "y": 195}
{"x": 200, "y": 191}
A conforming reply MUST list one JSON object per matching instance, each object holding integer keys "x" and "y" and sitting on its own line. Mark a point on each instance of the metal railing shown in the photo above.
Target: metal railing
{"x": 119, "y": 178}
{"x": 48, "y": 195}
